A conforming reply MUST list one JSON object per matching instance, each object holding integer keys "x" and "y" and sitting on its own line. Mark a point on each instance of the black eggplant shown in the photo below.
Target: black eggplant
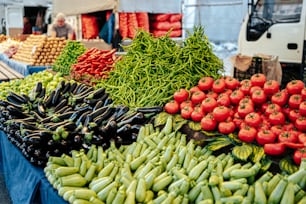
{"x": 48, "y": 99}
{"x": 56, "y": 96}
{"x": 121, "y": 110}
{"x": 72, "y": 87}
{"x": 42, "y": 93}
{"x": 137, "y": 118}
{"x": 60, "y": 105}
{"x": 12, "y": 96}
{"x": 109, "y": 130}
{"x": 16, "y": 112}
{"x": 98, "y": 105}
{"x": 82, "y": 118}
{"x": 96, "y": 94}
{"x": 124, "y": 130}
{"x": 108, "y": 101}
{"x": 66, "y": 87}
{"x": 154, "y": 109}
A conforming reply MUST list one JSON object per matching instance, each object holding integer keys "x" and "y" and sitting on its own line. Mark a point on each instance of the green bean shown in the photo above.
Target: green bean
{"x": 154, "y": 68}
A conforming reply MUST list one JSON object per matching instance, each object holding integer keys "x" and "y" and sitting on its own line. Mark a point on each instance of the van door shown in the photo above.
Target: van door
{"x": 14, "y": 19}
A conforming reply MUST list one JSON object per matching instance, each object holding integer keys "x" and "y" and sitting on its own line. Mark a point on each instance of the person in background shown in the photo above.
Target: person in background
{"x": 60, "y": 28}
{"x": 27, "y": 27}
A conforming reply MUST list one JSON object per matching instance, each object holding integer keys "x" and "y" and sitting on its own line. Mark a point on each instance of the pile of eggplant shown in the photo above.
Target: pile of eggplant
{"x": 71, "y": 117}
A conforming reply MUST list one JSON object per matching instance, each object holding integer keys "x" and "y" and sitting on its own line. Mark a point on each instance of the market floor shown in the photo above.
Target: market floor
{"x": 4, "y": 195}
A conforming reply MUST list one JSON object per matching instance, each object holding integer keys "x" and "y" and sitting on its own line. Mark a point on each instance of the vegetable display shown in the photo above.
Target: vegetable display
{"x": 72, "y": 116}
{"x": 153, "y": 68}
{"x": 68, "y": 57}
{"x": 255, "y": 110}
{"x": 163, "y": 167}
{"x": 94, "y": 64}
{"x": 25, "y": 85}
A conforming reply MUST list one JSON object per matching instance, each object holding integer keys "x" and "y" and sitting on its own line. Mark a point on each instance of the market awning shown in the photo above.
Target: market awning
{"x": 74, "y": 7}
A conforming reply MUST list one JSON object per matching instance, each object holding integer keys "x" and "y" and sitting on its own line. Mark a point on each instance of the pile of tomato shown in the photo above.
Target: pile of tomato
{"x": 257, "y": 109}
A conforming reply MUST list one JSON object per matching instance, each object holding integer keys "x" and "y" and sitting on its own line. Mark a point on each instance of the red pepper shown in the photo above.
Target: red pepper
{"x": 294, "y": 145}
{"x": 274, "y": 149}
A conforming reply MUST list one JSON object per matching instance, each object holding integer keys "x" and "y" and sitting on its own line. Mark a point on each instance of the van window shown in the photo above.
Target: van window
{"x": 279, "y": 11}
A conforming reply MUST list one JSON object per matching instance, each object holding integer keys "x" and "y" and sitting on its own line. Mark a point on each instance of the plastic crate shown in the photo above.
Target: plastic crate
{"x": 255, "y": 67}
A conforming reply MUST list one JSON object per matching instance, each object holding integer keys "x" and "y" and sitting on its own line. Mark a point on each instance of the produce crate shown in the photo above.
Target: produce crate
{"x": 7, "y": 73}
{"x": 255, "y": 67}
{"x": 33, "y": 69}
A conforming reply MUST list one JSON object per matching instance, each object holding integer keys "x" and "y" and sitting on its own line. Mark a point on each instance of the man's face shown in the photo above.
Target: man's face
{"x": 60, "y": 22}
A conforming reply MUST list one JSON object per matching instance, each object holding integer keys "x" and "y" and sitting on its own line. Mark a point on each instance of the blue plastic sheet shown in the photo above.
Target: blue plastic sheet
{"x": 25, "y": 182}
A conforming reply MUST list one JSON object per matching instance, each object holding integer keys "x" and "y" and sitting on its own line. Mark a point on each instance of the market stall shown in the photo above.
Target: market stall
{"x": 160, "y": 123}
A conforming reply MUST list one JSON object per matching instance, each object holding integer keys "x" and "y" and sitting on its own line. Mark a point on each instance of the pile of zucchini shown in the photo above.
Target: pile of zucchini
{"x": 163, "y": 167}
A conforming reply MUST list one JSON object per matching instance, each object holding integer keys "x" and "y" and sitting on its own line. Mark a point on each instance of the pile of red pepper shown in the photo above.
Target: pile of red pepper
{"x": 256, "y": 109}
{"x": 93, "y": 64}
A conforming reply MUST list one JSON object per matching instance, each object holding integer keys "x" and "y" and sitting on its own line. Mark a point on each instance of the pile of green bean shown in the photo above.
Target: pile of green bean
{"x": 68, "y": 57}
{"x": 154, "y": 68}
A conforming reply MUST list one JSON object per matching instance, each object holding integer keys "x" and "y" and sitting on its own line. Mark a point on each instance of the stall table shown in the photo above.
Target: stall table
{"x": 6, "y": 73}
{"x": 25, "y": 182}
{"x": 20, "y": 67}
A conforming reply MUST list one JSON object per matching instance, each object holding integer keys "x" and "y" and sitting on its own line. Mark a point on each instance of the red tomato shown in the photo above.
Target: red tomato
{"x": 253, "y": 119}
{"x": 208, "y": 105}
{"x": 255, "y": 88}
{"x": 277, "y": 129}
{"x": 288, "y": 126}
{"x": 245, "y": 86}
{"x": 218, "y": 85}
{"x": 186, "y": 112}
{"x": 271, "y": 87}
{"x": 226, "y": 127}
{"x": 300, "y": 124}
{"x": 303, "y": 93}
{"x": 280, "y": 98}
{"x": 293, "y": 115}
{"x": 172, "y": 107}
{"x": 264, "y": 125}
{"x": 212, "y": 94}
{"x": 181, "y": 95}
{"x": 265, "y": 137}
{"x": 245, "y": 109}
{"x": 286, "y": 110}
{"x": 205, "y": 83}
{"x": 259, "y": 97}
{"x": 236, "y": 96}
{"x": 246, "y": 100}
{"x": 247, "y": 134}
{"x": 258, "y": 79}
{"x": 245, "y": 81}
{"x": 228, "y": 91}
{"x": 274, "y": 149}
{"x": 287, "y": 136}
{"x": 295, "y": 100}
{"x": 302, "y": 108}
{"x": 231, "y": 83}
{"x": 302, "y": 138}
{"x": 295, "y": 86}
{"x": 264, "y": 107}
{"x": 197, "y": 114}
{"x": 271, "y": 108}
{"x": 194, "y": 89}
{"x": 221, "y": 113}
{"x": 208, "y": 123}
{"x": 223, "y": 100}
{"x": 237, "y": 119}
{"x": 277, "y": 118}
{"x": 197, "y": 97}
{"x": 298, "y": 155}
{"x": 186, "y": 103}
